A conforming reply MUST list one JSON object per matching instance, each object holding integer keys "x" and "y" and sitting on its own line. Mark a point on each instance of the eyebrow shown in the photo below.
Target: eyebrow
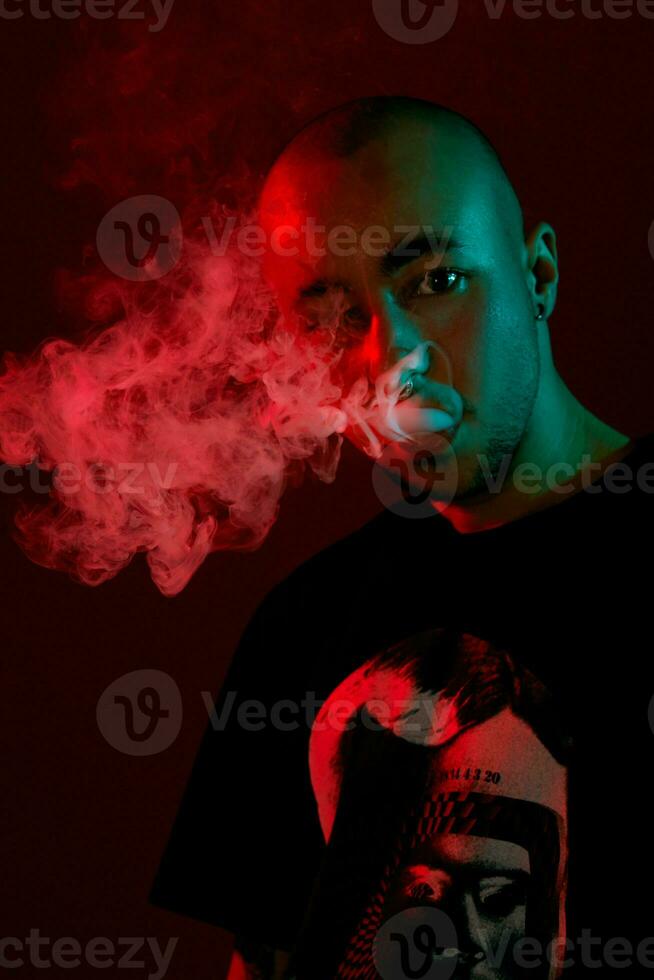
{"x": 404, "y": 253}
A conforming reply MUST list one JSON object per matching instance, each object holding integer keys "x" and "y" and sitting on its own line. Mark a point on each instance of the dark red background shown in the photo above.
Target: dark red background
{"x": 569, "y": 105}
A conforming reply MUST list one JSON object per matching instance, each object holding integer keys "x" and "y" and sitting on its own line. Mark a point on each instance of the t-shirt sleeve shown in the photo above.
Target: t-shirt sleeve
{"x": 246, "y": 844}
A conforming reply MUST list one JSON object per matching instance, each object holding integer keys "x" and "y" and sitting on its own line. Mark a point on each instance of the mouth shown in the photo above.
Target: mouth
{"x": 414, "y": 416}
{"x": 405, "y": 405}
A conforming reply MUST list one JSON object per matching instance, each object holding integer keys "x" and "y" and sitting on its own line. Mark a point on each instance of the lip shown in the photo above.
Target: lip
{"x": 441, "y": 441}
{"x": 417, "y": 416}
{"x": 438, "y": 443}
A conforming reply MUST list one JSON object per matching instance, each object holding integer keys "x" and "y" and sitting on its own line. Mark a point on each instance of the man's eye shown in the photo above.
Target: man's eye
{"x": 438, "y": 281}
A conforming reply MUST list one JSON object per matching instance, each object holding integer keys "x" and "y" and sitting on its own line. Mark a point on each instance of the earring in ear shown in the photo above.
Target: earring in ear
{"x": 541, "y": 313}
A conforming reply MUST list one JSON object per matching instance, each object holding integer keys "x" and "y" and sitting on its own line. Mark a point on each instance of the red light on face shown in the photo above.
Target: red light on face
{"x": 371, "y": 352}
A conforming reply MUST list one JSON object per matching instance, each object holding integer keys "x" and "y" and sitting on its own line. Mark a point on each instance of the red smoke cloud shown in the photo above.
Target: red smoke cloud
{"x": 170, "y": 432}
{"x": 170, "y": 420}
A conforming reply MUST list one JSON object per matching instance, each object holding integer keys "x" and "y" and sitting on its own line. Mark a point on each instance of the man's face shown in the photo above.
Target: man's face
{"x": 464, "y": 288}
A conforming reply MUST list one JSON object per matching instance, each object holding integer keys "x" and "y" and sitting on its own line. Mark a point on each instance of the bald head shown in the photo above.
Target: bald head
{"x": 344, "y": 132}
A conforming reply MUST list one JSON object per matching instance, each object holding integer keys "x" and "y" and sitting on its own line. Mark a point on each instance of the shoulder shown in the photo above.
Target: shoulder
{"x": 634, "y": 474}
{"x": 370, "y": 552}
{"x": 328, "y": 571}
{"x": 618, "y": 505}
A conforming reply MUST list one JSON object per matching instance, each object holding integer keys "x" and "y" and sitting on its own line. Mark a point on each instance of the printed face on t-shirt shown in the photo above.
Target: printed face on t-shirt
{"x": 444, "y": 806}
{"x": 481, "y": 884}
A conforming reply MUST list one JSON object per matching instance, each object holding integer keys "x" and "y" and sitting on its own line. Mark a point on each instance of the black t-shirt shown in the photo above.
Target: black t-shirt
{"x": 566, "y": 589}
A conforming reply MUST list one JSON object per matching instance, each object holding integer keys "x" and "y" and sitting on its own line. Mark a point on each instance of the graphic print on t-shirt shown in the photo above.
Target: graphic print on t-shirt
{"x": 439, "y": 774}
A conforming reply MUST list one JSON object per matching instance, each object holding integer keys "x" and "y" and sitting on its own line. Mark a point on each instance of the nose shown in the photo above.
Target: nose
{"x": 392, "y": 336}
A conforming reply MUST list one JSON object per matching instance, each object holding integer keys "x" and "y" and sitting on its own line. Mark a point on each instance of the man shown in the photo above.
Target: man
{"x": 458, "y": 271}
{"x": 544, "y": 514}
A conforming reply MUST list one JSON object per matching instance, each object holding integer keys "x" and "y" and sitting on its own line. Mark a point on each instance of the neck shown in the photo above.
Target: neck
{"x": 565, "y": 447}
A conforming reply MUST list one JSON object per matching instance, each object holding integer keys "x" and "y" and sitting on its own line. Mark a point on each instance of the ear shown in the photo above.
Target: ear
{"x": 542, "y": 268}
